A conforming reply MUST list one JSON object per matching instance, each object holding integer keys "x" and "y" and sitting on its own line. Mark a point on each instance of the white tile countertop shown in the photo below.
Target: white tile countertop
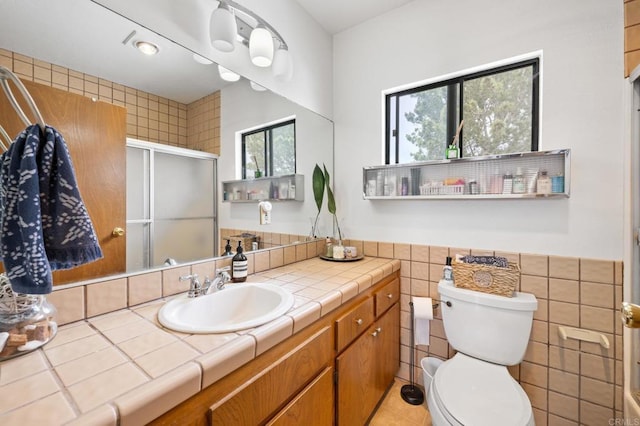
{"x": 125, "y": 368}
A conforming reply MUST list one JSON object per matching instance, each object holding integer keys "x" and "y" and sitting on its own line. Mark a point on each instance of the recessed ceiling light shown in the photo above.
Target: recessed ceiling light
{"x": 146, "y": 47}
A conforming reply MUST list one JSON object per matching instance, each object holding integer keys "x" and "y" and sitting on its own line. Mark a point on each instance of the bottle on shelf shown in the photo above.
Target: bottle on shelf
{"x": 227, "y": 249}
{"x": 239, "y": 265}
{"x": 519, "y": 184}
{"x": 507, "y": 184}
{"x": 544, "y": 183}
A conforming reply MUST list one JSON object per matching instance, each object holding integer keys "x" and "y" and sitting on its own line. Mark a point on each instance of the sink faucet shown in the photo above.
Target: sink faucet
{"x": 197, "y": 289}
{"x": 222, "y": 277}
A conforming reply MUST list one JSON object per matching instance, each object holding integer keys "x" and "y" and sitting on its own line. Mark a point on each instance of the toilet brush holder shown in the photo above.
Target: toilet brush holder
{"x": 411, "y": 393}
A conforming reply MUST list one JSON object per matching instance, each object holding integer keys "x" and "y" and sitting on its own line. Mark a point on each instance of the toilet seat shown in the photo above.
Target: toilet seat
{"x": 472, "y": 392}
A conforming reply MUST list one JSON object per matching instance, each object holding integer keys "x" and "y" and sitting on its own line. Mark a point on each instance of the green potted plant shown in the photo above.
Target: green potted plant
{"x": 322, "y": 182}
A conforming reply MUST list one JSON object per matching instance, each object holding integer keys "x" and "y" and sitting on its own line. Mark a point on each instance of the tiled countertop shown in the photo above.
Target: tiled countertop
{"x": 124, "y": 367}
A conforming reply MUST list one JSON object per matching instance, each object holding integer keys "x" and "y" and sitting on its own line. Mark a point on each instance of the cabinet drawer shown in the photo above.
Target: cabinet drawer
{"x": 351, "y": 325}
{"x": 387, "y": 296}
{"x": 261, "y": 396}
{"x": 313, "y": 406}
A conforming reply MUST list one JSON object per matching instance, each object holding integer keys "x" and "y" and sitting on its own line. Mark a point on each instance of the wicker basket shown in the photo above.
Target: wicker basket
{"x": 486, "y": 278}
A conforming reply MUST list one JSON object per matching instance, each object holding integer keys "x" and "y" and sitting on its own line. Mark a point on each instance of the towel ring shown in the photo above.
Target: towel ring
{"x": 4, "y": 136}
{"x": 6, "y": 74}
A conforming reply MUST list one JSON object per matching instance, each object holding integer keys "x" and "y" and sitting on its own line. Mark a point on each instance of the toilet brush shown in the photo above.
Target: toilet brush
{"x": 411, "y": 393}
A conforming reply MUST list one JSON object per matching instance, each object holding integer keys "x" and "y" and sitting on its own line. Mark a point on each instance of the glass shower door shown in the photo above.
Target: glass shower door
{"x": 184, "y": 208}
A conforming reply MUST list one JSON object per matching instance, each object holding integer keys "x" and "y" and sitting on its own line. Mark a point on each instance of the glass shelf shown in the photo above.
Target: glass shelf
{"x": 270, "y": 188}
{"x": 477, "y": 178}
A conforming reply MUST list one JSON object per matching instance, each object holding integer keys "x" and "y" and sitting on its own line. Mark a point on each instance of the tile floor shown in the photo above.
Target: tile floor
{"x": 393, "y": 411}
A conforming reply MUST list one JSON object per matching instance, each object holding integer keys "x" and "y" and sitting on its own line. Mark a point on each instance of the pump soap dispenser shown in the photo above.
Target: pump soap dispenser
{"x": 239, "y": 265}
{"x": 227, "y": 249}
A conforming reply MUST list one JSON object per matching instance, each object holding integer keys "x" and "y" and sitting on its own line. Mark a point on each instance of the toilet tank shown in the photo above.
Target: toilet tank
{"x": 485, "y": 326}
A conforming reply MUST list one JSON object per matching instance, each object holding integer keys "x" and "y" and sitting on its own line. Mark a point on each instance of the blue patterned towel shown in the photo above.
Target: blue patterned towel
{"x": 44, "y": 224}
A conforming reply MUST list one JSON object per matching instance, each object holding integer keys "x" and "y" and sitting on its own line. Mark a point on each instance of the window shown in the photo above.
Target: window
{"x": 272, "y": 149}
{"x": 499, "y": 107}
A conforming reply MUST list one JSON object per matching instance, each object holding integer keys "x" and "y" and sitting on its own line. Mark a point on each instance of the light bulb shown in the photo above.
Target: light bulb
{"x": 261, "y": 47}
{"x": 223, "y": 28}
{"x": 282, "y": 65}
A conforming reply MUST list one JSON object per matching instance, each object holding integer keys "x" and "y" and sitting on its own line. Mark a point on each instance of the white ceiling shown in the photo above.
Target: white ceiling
{"x": 338, "y": 15}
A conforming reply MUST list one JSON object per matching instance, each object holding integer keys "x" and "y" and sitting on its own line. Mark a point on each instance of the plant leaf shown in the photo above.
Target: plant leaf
{"x": 331, "y": 202}
{"x": 318, "y": 186}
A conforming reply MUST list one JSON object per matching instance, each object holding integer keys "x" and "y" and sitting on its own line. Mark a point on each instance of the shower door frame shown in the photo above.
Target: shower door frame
{"x": 153, "y": 148}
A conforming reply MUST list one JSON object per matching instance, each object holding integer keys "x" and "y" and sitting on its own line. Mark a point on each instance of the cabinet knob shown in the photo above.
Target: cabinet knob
{"x": 359, "y": 321}
{"x": 376, "y": 332}
{"x": 390, "y": 296}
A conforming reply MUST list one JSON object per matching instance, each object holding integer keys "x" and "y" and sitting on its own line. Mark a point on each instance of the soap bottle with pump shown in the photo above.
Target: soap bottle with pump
{"x": 239, "y": 265}
{"x": 227, "y": 249}
{"x": 447, "y": 271}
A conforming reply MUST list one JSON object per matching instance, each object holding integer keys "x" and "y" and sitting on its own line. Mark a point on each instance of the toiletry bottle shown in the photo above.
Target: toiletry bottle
{"x": 519, "y": 184}
{"x": 447, "y": 271}
{"x": 404, "y": 188}
{"x": 544, "y": 183}
{"x": 507, "y": 184}
{"x": 328, "y": 248}
{"x": 227, "y": 249}
{"x": 338, "y": 250}
{"x": 239, "y": 265}
{"x": 452, "y": 151}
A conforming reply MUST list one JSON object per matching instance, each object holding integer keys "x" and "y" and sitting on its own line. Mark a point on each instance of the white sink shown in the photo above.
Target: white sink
{"x": 236, "y": 307}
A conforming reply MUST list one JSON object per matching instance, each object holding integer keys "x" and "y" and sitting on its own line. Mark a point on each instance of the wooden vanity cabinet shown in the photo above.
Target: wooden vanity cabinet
{"x": 366, "y": 368}
{"x": 294, "y": 383}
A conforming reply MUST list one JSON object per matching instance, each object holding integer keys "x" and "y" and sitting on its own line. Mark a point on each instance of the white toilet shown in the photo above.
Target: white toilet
{"x": 474, "y": 388}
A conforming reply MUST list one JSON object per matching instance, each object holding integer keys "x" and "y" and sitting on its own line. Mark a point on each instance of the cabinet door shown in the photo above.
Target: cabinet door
{"x": 313, "y": 406}
{"x": 259, "y": 398}
{"x": 367, "y": 368}
{"x": 388, "y": 348}
{"x": 356, "y": 391}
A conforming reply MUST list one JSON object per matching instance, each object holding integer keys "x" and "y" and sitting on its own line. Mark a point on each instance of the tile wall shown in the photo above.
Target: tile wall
{"x": 568, "y": 382}
{"x": 265, "y": 239}
{"x": 149, "y": 117}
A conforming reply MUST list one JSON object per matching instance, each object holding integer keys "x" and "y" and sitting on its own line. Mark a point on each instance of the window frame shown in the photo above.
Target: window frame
{"x": 457, "y": 100}
{"x": 268, "y": 146}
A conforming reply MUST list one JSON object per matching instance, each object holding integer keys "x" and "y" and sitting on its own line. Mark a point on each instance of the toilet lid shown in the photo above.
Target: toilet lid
{"x": 475, "y": 392}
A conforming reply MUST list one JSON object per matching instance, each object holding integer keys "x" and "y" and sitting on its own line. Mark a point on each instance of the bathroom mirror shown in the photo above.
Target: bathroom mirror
{"x": 91, "y": 39}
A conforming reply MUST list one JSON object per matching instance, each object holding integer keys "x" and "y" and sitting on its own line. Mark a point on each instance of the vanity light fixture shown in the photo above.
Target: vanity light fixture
{"x": 147, "y": 47}
{"x": 282, "y": 65}
{"x": 223, "y": 28}
{"x": 227, "y": 75}
{"x": 261, "y": 47}
{"x": 253, "y": 32}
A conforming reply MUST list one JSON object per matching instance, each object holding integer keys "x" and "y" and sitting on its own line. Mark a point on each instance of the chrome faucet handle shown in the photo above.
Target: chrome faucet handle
{"x": 222, "y": 277}
{"x": 194, "y": 285}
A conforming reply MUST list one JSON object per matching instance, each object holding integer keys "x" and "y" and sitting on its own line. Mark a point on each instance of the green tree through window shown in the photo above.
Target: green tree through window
{"x": 499, "y": 109}
{"x": 271, "y": 149}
